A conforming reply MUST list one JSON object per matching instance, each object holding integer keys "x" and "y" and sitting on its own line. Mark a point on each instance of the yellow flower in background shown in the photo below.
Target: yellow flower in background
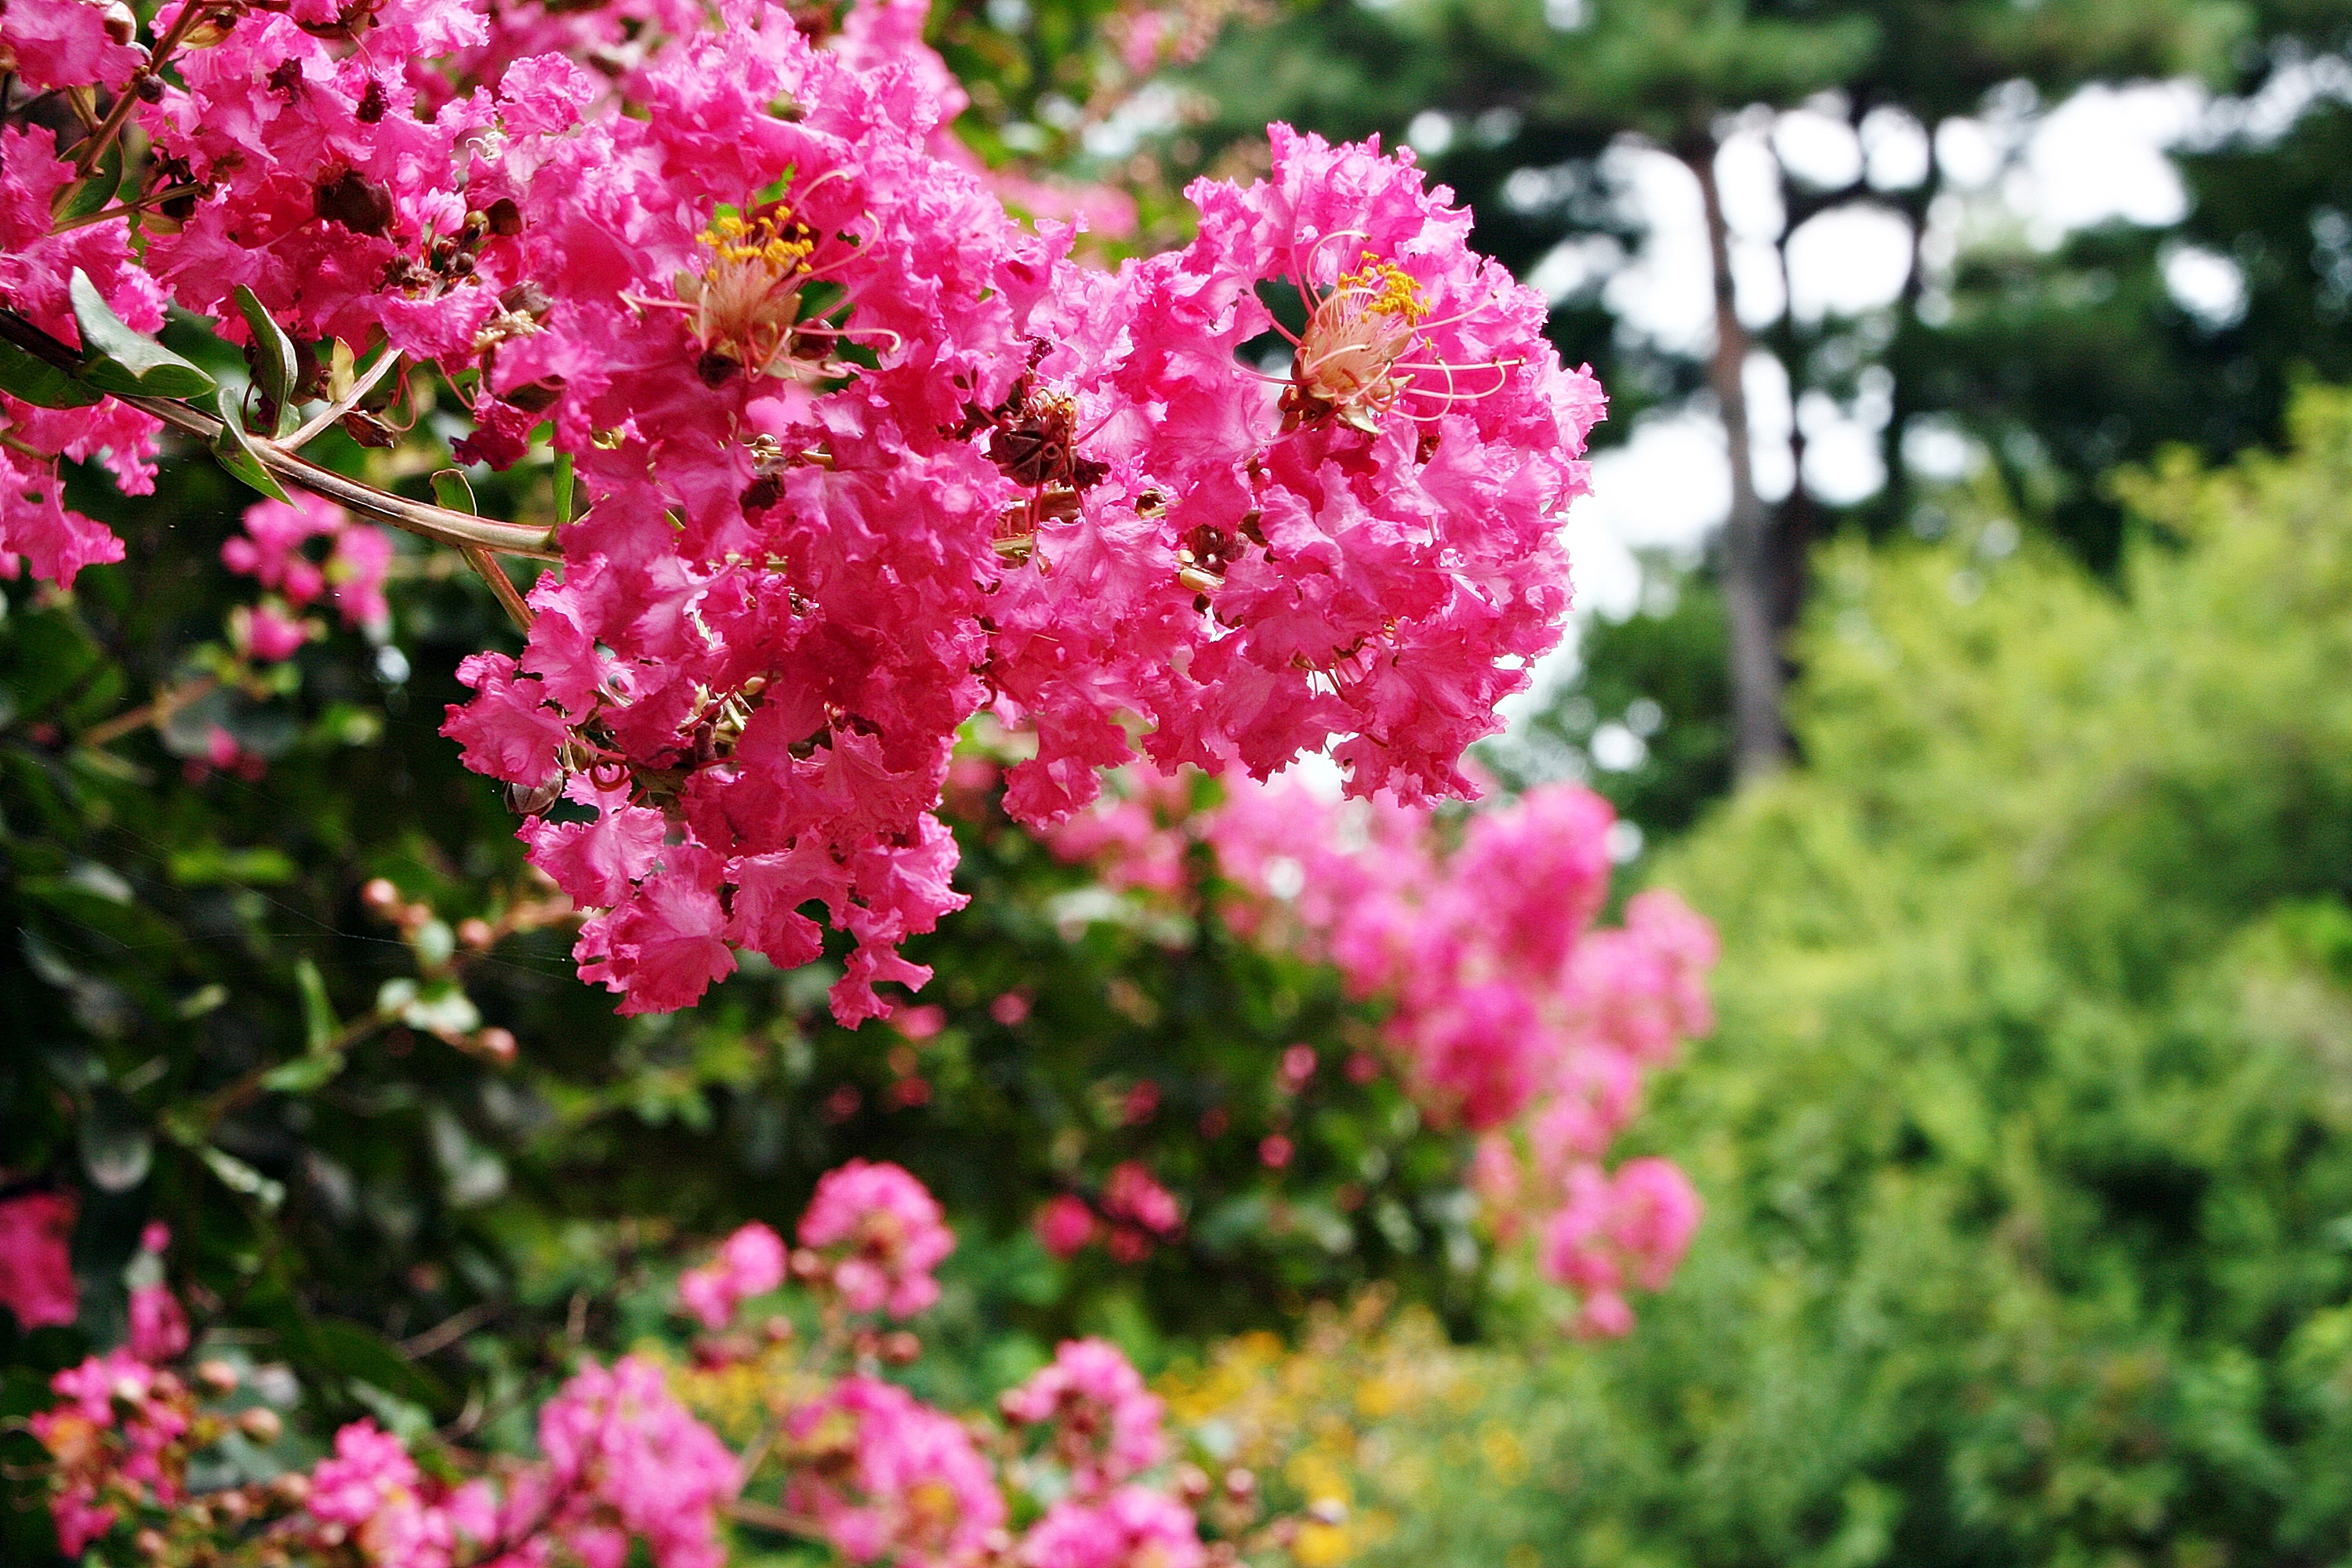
{"x": 1321, "y": 1545}
{"x": 1367, "y": 1433}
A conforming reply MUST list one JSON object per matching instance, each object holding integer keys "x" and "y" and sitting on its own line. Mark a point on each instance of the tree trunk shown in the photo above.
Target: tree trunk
{"x": 1790, "y": 541}
{"x": 1759, "y": 742}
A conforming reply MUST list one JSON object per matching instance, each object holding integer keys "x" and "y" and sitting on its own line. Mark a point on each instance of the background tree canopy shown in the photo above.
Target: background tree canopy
{"x": 2057, "y": 363}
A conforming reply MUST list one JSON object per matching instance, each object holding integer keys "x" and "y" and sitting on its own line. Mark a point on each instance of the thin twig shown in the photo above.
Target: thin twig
{"x": 483, "y": 563}
{"x": 437, "y": 524}
{"x": 157, "y": 712}
{"x": 450, "y": 1330}
{"x": 345, "y": 403}
{"x": 775, "y": 1519}
{"x": 93, "y": 146}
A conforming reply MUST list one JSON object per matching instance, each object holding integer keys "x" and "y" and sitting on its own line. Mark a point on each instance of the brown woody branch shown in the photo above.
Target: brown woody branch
{"x": 460, "y": 530}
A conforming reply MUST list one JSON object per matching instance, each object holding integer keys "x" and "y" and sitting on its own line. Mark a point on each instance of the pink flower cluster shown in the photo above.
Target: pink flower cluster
{"x": 750, "y": 1263}
{"x": 159, "y": 1324}
{"x": 878, "y": 1234}
{"x": 118, "y": 1440}
{"x": 370, "y": 1493}
{"x": 37, "y": 259}
{"x": 862, "y": 455}
{"x": 1510, "y": 1015}
{"x": 37, "y": 1281}
{"x": 271, "y": 550}
{"x": 623, "y": 1463}
{"x": 1617, "y": 1229}
{"x": 1134, "y": 1527}
{"x": 887, "y": 1476}
{"x": 1133, "y": 1215}
{"x": 871, "y": 1237}
{"x": 1099, "y": 1419}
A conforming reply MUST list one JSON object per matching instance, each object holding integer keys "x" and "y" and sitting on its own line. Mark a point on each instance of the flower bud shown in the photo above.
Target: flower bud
{"x": 262, "y": 1424}
{"x": 475, "y": 932}
{"x": 218, "y": 1376}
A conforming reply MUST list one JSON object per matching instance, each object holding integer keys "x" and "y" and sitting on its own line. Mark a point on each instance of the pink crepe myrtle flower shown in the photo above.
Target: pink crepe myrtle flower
{"x": 861, "y": 455}
{"x": 266, "y": 633}
{"x": 37, "y": 1280}
{"x": 881, "y": 1233}
{"x": 1066, "y": 1223}
{"x": 69, "y": 43}
{"x": 1134, "y": 1195}
{"x": 272, "y": 550}
{"x": 1612, "y": 1232}
{"x": 750, "y": 1263}
{"x": 368, "y": 1472}
{"x": 1134, "y": 1527}
{"x": 159, "y": 1325}
{"x": 117, "y": 1436}
{"x": 1511, "y": 1015}
{"x": 888, "y": 1478}
{"x": 1101, "y": 1420}
{"x": 628, "y": 1462}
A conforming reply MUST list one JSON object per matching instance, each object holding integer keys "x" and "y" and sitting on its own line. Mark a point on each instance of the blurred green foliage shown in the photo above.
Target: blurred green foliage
{"x": 2027, "y": 1134}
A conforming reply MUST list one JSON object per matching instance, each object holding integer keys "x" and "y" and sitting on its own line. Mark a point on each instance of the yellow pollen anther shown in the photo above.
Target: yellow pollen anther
{"x": 746, "y": 305}
{"x": 1390, "y": 289}
{"x": 1346, "y": 364}
{"x": 737, "y": 241}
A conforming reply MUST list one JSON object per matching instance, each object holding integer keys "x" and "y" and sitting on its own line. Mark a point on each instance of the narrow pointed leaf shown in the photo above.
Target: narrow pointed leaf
{"x": 237, "y": 454}
{"x": 319, "y": 1025}
{"x": 276, "y": 369}
{"x": 122, "y": 361}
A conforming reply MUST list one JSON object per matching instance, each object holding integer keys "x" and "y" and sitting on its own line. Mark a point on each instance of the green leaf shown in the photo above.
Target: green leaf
{"x": 124, "y": 361}
{"x": 239, "y": 1177}
{"x": 276, "y": 369}
{"x": 208, "y": 865}
{"x": 319, "y": 1025}
{"x": 303, "y": 1074}
{"x": 238, "y": 455}
{"x": 354, "y": 1352}
{"x": 451, "y": 491}
{"x": 39, "y": 382}
{"x": 91, "y": 193}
